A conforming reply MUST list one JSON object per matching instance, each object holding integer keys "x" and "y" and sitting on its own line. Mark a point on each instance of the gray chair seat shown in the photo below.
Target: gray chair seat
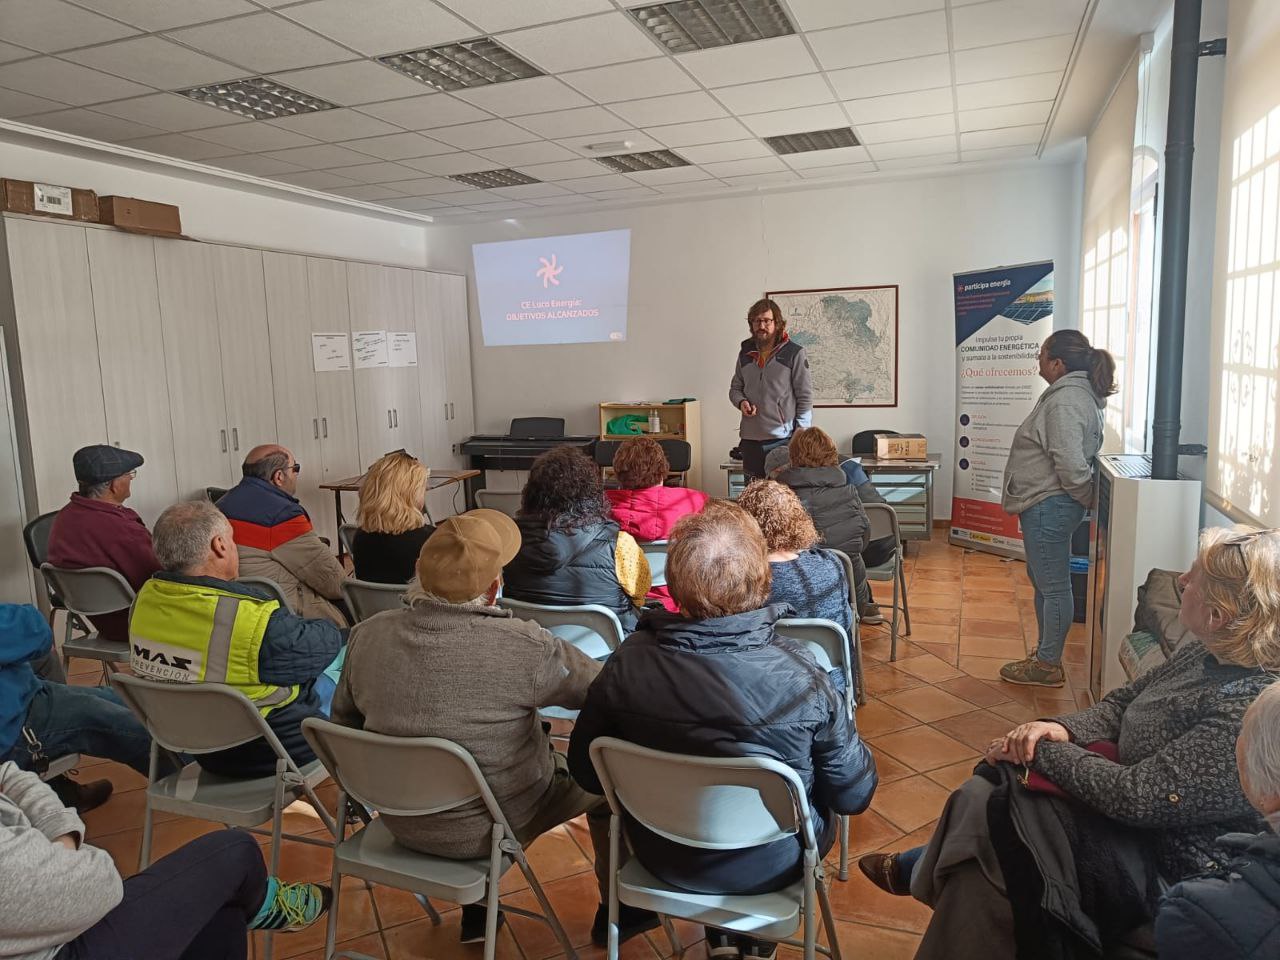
{"x": 93, "y": 647}
{"x": 195, "y": 792}
{"x": 773, "y": 916}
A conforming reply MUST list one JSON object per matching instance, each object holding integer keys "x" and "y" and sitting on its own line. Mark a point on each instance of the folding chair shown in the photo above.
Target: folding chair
{"x": 35, "y": 535}
{"x": 365, "y": 598}
{"x": 418, "y": 777}
{"x": 347, "y": 536}
{"x": 655, "y": 551}
{"x": 504, "y": 501}
{"x": 829, "y": 637}
{"x": 89, "y": 593}
{"x": 860, "y": 693}
{"x": 712, "y": 803}
{"x": 884, "y": 523}
{"x": 271, "y": 587}
{"x": 196, "y": 718}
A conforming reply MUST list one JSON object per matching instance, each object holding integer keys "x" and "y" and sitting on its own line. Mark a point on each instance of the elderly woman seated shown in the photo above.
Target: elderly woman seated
{"x": 1232, "y": 913}
{"x": 1061, "y": 843}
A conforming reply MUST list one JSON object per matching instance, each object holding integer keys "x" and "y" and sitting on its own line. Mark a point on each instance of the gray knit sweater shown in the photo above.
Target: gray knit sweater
{"x": 49, "y": 895}
{"x": 1176, "y": 728}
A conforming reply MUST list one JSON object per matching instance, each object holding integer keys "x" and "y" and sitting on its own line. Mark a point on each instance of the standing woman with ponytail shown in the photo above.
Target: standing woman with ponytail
{"x": 1048, "y": 483}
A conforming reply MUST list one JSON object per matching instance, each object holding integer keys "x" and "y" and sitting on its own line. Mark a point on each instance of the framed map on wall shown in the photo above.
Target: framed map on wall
{"x": 851, "y": 337}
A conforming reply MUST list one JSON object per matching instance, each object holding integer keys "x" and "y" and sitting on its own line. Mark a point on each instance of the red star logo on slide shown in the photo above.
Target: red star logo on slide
{"x": 548, "y": 272}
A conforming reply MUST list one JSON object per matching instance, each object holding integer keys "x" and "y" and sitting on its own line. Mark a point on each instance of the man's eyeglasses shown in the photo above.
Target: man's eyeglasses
{"x": 296, "y": 468}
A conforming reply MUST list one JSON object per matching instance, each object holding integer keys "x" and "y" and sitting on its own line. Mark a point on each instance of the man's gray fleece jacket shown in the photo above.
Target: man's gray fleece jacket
{"x": 1052, "y": 452}
{"x": 781, "y": 390}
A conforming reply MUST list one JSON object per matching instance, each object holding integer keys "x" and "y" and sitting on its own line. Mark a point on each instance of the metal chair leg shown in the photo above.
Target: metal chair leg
{"x": 844, "y": 848}
{"x": 331, "y": 925}
{"x": 431, "y": 911}
{"x": 906, "y": 612}
{"x": 893, "y": 622}
{"x": 828, "y": 921}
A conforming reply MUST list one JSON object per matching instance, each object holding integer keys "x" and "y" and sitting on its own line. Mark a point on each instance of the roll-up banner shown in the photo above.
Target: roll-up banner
{"x": 1002, "y": 316}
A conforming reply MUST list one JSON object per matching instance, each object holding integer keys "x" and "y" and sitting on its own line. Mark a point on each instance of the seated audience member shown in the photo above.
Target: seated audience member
{"x": 570, "y": 551}
{"x": 391, "y": 525}
{"x": 274, "y": 535}
{"x": 63, "y": 898}
{"x": 96, "y": 529}
{"x": 453, "y": 665}
{"x": 815, "y": 475}
{"x": 193, "y": 623}
{"x": 1152, "y": 815}
{"x": 880, "y": 550}
{"x": 643, "y": 505}
{"x": 60, "y": 719}
{"x": 1233, "y": 913}
{"x": 716, "y": 680}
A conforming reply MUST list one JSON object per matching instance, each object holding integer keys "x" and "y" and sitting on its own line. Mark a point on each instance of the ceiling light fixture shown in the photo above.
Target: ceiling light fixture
{"x": 490, "y": 179}
{"x": 832, "y": 139}
{"x": 257, "y": 98}
{"x": 611, "y": 146}
{"x": 688, "y": 25}
{"x": 467, "y": 63}
{"x": 637, "y": 162}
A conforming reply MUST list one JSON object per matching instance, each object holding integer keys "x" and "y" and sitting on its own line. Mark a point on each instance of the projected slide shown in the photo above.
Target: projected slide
{"x": 570, "y": 289}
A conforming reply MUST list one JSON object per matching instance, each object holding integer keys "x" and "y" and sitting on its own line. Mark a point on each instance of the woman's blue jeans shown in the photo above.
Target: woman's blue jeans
{"x": 1046, "y": 537}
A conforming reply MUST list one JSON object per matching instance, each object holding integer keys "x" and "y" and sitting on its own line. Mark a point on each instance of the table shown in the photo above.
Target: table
{"x": 436, "y": 480}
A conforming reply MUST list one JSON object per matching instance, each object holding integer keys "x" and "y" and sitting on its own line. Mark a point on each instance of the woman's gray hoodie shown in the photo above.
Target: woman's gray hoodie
{"x": 1052, "y": 452}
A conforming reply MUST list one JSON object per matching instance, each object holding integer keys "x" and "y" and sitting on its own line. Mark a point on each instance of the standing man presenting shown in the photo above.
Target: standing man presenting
{"x": 771, "y": 386}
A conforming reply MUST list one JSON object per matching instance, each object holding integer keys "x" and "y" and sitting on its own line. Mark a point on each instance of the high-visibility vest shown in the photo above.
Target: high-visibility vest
{"x": 191, "y": 633}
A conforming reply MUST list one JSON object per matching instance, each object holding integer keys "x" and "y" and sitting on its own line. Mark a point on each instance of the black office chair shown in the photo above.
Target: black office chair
{"x": 864, "y": 443}
{"x": 679, "y": 455}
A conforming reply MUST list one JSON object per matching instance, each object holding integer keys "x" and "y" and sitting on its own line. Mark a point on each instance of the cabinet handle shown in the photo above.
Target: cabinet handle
{"x": 223, "y": 431}
{"x": 388, "y": 419}
{"x": 446, "y": 411}
{"x": 453, "y": 414}
{"x": 395, "y": 416}
{"x": 235, "y": 438}
{"x": 324, "y": 421}
{"x": 315, "y": 427}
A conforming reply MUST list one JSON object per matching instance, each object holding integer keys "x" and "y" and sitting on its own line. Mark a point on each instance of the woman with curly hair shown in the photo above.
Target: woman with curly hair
{"x": 571, "y": 552}
{"x": 391, "y": 525}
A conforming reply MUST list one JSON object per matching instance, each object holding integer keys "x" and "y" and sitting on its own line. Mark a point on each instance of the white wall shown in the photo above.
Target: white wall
{"x": 697, "y": 266}
{"x": 229, "y": 213}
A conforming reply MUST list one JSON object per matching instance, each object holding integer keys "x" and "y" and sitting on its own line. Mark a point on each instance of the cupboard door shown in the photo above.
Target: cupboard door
{"x": 369, "y": 296}
{"x": 457, "y": 345}
{"x": 433, "y": 398}
{"x": 61, "y": 381}
{"x": 335, "y": 389}
{"x": 126, "y": 307}
{"x": 406, "y": 408}
{"x": 245, "y": 346}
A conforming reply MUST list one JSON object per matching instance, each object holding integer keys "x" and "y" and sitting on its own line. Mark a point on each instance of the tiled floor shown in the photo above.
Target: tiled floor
{"x": 926, "y": 719}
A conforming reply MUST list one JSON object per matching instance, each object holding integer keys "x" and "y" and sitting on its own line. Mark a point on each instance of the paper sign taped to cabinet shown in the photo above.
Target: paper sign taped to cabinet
{"x": 403, "y": 348}
{"x": 370, "y": 348}
{"x": 330, "y": 351}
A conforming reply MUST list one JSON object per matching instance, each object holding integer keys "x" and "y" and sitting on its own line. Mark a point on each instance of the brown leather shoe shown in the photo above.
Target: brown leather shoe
{"x": 882, "y": 870}
{"x": 83, "y": 796}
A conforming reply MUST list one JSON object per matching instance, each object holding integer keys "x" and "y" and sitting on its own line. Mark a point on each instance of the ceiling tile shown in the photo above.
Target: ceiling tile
{"x": 690, "y": 186}
{"x": 425, "y": 112}
{"x": 651, "y": 178}
{"x": 367, "y": 191}
{"x": 342, "y": 124}
{"x": 156, "y": 62}
{"x": 315, "y": 180}
{"x": 450, "y": 163}
{"x": 820, "y": 14}
{"x": 168, "y": 111}
{"x": 602, "y": 180}
{"x": 912, "y": 148}
{"x": 785, "y": 94}
{"x": 674, "y": 108}
{"x": 991, "y": 118}
{"x": 578, "y": 44}
{"x": 898, "y": 76}
{"x": 561, "y": 170}
{"x": 414, "y": 204}
{"x": 572, "y": 123}
{"x": 542, "y": 151}
{"x": 634, "y": 192}
{"x": 921, "y": 103}
{"x": 319, "y": 157}
{"x": 430, "y": 186}
{"x": 1000, "y": 153}
{"x": 516, "y": 97}
{"x": 881, "y": 40}
{"x": 262, "y": 43}
{"x": 167, "y": 14}
{"x": 50, "y": 25}
{"x": 999, "y": 93}
{"x": 378, "y": 172}
{"x": 398, "y": 146}
{"x": 748, "y": 62}
{"x": 637, "y": 139}
{"x": 733, "y": 150}
{"x": 840, "y": 170}
{"x": 66, "y": 82}
{"x": 180, "y": 145}
{"x": 487, "y": 133}
{"x": 255, "y": 165}
{"x": 14, "y": 104}
{"x": 703, "y": 131}
{"x": 471, "y": 195}
{"x": 86, "y": 123}
{"x": 1006, "y": 137}
{"x": 9, "y": 52}
{"x": 757, "y": 179}
{"x": 252, "y": 137}
{"x": 1007, "y": 21}
{"x": 1013, "y": 59}
{"x": 907, "y": 163}
{"x": 529, "y": 191}
{"x": 655, "y": 78}
{"x": 826, "y": 158}
{"x": 494, "y": 15}
{"x": 824, "y": 117}
{"x": 915, "y": 128}
{"x": 375, "y": 27}
{"x": 573, "y": 201}
{"x": 738, "y": 168}
{"x": 348, "y": 84}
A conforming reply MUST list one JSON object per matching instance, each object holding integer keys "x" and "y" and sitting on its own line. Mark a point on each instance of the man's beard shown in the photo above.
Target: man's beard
{"x": 765, "y": 339}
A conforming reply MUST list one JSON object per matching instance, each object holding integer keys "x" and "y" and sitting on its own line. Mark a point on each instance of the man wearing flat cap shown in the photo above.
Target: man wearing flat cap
{"x": 96, "y": 529}
{"x": 452, "y": 664}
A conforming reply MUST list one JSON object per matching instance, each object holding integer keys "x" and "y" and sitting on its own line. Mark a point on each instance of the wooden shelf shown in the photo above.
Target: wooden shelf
{"x": 680, "y": 421}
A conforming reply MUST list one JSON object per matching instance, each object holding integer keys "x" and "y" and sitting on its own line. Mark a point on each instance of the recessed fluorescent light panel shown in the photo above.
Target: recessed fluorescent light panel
{"x": 649, "y": 160}
{"x": 688, "y": 25}
{"x": 257, "y": 98}
{"x": 468, "y": 63}
{"x": 489, "y": 179}
{"x": 814, "y": 140}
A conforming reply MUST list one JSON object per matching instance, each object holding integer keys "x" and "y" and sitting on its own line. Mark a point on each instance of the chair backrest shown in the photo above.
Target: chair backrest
{"x": 36, "y": 536}
{"x": 713, "y": 803}
{"x": 91, "y": 591}
{"x": 884, "y": 523}
{"x": 593, "y": 629}
{"x": 270, "y": 586}
{"x": 864, "y": 442}
{"x": 215, "y": 493}
{"x": 655, "y": 551}
{"x": 679, "y": 453}
{"x": 847, "y": 563}
{"x": 827, "y": 634}
{"x": 364, "y": 599}
{"x": 194, "y": 717}
{"x": 504, "y": 501}
{"x": 347, "y": 536}
{"x": 402, "y": 776}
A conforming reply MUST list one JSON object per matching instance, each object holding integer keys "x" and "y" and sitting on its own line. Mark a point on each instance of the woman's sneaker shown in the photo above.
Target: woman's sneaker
{"x": 291, "y": 907}
{"x": 1033, "y": 673}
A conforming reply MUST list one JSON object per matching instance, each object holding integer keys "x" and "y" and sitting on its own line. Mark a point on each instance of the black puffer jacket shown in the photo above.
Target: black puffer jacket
{"x": 833, "y": 503}
{"x": 727, "y": 687}
{"x": 566, "y": 567}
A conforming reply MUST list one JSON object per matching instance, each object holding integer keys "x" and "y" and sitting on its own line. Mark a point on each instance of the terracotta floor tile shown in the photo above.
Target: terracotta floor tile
{"x": 946, "y": 652}
{"x": 574, "y": 900}
{"x": 1016, "y": 712}
{"x": 989, "y": 610}
{"x": 399, "y": 906}
{"x": 976, "y": 729}
{"x": 888, "y": 768}
{"x": 880, "y": 679}
{"x": 1023, "y": 590}
{"x": 936, "y": 595}
{"x": 868, "y": 831}
{"x": 989, "y": 586}
{"x": 124, "y": 811}
{"x": 930, "y": 633}
{"x": 923, "y": 748}
{"x": 554, "y": 855}
{"x": 928, "y": 667}
{"x": 370, "y": 946}
{"x": 977, "y": 627}
{"x": 928, "y": 704}
{"x": 422, "y": 941}
{"x": 859, "y": 940}
{"x": 942, "y": 616}
{"x": 984, "y": 668}
{"x": 875, "y": 717}
{"x": 861, "y": 900}
{"x": 1001, "y": 648}
{"x": 973, "y": 690}
{"x": 910, "y": 803}
{"x": 952, "y": 775}
{"x": 122, "y": 778}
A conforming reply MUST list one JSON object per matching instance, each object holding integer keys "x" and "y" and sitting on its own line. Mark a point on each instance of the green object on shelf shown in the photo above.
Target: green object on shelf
{"x": 627, "y": 424}
{"x": 678, "y": 400}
